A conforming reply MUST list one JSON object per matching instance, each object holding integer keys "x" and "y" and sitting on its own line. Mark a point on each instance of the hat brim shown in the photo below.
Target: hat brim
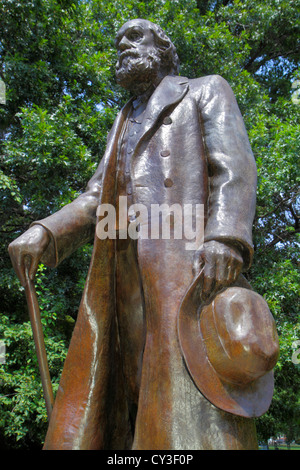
{"x": 251, "y": 400}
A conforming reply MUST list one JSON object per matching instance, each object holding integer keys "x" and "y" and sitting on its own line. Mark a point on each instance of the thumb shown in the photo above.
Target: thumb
{"x": 31, "y": 265}
{"x": 198, "y": 261}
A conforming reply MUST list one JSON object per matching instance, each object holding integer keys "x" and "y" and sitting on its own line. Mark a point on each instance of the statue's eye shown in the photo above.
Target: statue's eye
{"x": 134, "y": 36}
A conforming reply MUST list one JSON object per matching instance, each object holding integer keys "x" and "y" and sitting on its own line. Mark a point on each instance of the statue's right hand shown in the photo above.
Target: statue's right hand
{"x": 26, "y": 251}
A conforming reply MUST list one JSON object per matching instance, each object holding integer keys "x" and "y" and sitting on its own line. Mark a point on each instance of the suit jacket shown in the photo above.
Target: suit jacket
{"x": 210, "y": 162}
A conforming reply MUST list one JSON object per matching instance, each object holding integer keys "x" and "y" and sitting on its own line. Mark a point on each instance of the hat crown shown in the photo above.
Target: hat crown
{"x": 240, "y": 335}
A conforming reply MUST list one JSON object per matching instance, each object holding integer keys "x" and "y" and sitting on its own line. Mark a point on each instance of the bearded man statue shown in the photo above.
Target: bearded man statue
{"x": 172, "y": 349}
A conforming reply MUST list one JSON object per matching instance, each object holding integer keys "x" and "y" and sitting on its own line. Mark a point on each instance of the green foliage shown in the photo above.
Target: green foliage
{"x": 57, "y": 60}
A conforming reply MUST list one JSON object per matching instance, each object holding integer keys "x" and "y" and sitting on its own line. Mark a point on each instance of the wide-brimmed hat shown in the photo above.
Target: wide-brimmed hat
{"x": 230, "y": 347}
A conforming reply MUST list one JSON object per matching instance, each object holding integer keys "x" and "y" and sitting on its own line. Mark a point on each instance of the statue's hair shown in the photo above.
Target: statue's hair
{"x": 167, "y": 50}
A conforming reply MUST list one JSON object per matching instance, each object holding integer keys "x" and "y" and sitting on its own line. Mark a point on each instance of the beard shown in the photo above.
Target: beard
{"x": 136, "y": 72}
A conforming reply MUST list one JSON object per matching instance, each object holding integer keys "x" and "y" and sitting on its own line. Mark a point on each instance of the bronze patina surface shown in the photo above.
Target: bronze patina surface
{"x": 171, "y": 347}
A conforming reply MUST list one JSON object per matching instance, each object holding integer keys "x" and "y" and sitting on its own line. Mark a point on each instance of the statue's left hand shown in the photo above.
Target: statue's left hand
{"x": 220, "y": 266}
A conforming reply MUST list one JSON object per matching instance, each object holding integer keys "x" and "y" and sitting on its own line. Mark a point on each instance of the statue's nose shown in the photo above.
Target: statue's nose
{"x": 124, "y": 44}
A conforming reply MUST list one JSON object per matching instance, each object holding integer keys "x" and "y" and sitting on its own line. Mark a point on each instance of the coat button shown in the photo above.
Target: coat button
{"x": 165, "y": 153}
{"x": 167, "y": 120}
{"x": 168, "y": 183}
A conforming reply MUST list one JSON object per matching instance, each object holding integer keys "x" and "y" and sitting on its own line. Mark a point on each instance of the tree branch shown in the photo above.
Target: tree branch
{"x": 282, "y": 237}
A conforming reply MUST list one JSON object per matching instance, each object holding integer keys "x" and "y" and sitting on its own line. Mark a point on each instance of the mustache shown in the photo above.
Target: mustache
{"x": 125, "y": 54}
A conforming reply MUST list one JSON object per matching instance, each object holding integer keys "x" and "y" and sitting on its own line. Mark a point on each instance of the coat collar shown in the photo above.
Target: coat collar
{"x": 170, "y": 91}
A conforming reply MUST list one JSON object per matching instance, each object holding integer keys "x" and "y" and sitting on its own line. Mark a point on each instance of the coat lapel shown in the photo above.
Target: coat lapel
{"x": 169, "y": 92}
{"x": 110, "y": 156}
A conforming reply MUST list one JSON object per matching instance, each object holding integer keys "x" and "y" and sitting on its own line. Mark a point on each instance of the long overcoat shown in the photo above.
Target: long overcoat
{"x": 192, "y": 148}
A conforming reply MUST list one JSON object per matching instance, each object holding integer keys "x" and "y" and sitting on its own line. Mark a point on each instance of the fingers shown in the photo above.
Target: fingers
{"x": 26, "y": 251}
{"x": 209, "y": 276}
{"x": 16, "y": 257}
{"x": 223, "y": 265}
{"x": 23, "y": 263}
{"x": 234, "y": 268}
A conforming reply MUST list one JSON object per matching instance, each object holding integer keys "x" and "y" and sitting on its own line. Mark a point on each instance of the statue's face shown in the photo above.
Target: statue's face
{"x": 135, "y": 37}
{"x": 138, "y": 57}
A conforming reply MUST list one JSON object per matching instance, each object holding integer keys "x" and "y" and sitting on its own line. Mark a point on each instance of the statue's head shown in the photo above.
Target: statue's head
{"x": 145, "y": 55}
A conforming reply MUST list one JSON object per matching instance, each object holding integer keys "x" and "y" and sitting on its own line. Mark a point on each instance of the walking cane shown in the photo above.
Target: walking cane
{"x": 36, "y": 325}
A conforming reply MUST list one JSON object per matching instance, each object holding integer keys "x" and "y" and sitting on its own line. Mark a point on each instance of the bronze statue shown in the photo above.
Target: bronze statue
{"x": 172, "y": 349}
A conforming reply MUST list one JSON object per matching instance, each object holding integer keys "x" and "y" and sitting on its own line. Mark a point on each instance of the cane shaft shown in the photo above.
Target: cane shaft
{"x": 38, "y": 336}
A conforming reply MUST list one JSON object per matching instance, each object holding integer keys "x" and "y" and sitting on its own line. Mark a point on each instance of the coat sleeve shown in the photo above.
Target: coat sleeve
{"x": 74, "y": 224}
{"x": 231, "y": 167}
